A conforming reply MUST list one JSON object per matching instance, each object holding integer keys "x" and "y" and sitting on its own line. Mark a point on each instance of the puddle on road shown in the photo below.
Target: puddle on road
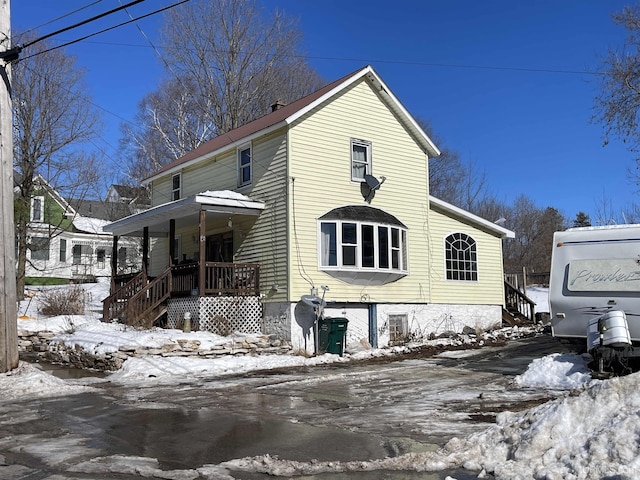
{"x": 183, "y": 438}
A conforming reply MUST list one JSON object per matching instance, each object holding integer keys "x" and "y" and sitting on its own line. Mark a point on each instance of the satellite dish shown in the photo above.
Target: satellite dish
{"x": 313, "y": 301}
{"x": 369, "y": 186}
{"x": 372, "y": 182}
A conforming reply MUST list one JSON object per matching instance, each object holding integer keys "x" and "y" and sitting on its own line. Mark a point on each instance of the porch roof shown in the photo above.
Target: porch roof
{"x": 218, "y": 204}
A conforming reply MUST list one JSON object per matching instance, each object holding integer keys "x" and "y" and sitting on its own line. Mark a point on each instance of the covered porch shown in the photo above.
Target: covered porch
{"x": 210, "y": 270}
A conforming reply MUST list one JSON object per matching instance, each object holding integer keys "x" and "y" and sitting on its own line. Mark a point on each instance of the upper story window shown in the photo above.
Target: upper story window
{"x": 37, "y": 209}
{"x": 176, "y": 187}
{"x": 360, "y": 159}
{"x": 362, "y": 239}
{"x": 461, "y": 257}
{"x": 245, "y": 165}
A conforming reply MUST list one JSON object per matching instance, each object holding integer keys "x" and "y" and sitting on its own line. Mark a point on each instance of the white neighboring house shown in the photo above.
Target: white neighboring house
{"x": 66, "y": 240}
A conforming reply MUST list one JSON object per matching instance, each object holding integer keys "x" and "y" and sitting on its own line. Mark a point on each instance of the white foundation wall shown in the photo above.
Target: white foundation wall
{"x": 294, "y": 321}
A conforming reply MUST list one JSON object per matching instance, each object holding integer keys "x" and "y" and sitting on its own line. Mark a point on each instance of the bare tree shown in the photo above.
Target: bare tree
{"x": 452, "y": 180}
{"x": 228, "y": 62}
{"x": 52, "y": 117}
{"x": 618, "y": 103}
{"x": 534, "y": 228}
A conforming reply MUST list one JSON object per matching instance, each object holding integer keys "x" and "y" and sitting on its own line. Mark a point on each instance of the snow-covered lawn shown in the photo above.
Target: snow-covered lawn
{"x": 589, "y": 431}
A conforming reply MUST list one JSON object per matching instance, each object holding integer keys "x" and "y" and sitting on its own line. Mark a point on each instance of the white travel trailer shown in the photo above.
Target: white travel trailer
{"x": 594, "y": 287}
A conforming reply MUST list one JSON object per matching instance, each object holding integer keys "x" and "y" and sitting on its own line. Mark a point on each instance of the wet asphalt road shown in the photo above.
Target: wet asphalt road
{"x": 357, "y": 411}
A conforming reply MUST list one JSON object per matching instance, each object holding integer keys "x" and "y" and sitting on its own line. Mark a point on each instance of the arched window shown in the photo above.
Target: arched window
{"x": 461, "y": 257}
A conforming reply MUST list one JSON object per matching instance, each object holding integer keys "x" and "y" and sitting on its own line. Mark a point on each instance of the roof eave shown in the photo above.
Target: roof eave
{"x": 500, "y": 232}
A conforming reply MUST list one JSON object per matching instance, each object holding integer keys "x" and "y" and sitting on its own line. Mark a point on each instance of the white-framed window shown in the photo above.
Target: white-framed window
{"x": 39, "y": 247}
{"x": 398, "y": 328}
{"x": 176, "y": 187}
{"x": 360, "y": 159}
{"x": 245, "y": 165}
{"x": 63, "y": 250}
{"x": 461, "y": 257}
{"x": 37, "y": 209}
{"x": 101, "y": 256}
{"x": 366, "y": 246}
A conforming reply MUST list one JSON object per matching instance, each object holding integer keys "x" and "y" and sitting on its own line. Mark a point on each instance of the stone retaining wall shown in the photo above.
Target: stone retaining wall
{"x": 41, "y": 345}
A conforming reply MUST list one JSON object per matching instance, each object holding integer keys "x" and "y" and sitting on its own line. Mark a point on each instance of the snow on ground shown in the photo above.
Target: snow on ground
{"x": 588, "y": 432}
{"x": 540, "y": 295}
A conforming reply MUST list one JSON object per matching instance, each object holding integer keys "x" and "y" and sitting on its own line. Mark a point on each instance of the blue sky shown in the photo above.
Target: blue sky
{"x": 501, "y": 82}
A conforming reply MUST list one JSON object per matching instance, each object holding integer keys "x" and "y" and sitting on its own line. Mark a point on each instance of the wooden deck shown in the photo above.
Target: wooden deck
{"x": 138, "y": 299}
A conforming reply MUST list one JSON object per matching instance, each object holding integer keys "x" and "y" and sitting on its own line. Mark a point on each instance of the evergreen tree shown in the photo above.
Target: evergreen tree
{"x": 582, "y": 220}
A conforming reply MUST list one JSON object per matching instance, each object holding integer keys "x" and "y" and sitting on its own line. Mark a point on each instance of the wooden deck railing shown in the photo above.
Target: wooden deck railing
{"x": 220, "y": 278}
{"x": 517, "y": 301}
{"x": 140, "y": 295}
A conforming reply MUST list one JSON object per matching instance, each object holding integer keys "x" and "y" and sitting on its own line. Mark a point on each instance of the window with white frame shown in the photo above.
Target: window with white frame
{"x": 245, "y": 165}
{"x": 356, "y": 245}
{"x": 360, "y": 159}
{"x": 176, "y": 187}
{"x": 37, "y": 209}
{"x": 398, "y": 328}
{"x": 461, "y": 257}
{"x": 39, "y": 247}
{"x": 63, "y": 250}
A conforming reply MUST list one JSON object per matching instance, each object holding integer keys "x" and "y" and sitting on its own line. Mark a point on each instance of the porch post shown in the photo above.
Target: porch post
{"x": 114, "y": 263}
{"x": 172, "y": 242}
{"x": 145, "y": 250}
{"x": 202, "y": 227}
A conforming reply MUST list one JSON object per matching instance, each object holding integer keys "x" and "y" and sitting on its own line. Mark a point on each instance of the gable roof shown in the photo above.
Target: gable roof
{"x": 290, "y": 113}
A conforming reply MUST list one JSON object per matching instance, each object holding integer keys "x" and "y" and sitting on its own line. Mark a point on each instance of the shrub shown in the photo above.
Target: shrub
{"x": 64, "y": 301}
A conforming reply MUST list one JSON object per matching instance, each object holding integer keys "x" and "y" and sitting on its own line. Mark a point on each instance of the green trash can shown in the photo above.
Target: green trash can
{"x": 331, "y": 335}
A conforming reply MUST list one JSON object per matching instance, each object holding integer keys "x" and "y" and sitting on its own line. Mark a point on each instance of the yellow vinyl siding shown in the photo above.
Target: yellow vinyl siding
{"x": 489, "y": 289}
{"x": 320, "y": 166}
{"x": 261, "y": 239}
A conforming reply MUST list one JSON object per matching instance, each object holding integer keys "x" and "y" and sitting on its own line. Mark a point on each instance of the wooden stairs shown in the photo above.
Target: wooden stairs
{"x": 141, "y": 302}
{"x": 519, "y": 309}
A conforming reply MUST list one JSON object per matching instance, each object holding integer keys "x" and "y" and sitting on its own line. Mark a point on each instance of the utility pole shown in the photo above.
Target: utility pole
{"x": 8, "y": 310}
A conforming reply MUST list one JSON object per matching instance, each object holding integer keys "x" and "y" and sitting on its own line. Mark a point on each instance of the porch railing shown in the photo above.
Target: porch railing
{"x": 134, "y": 300}
{"x": 220, "y": 278}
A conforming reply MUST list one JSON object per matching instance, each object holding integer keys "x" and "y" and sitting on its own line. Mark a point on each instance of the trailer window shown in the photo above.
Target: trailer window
{"x": 604, "y": 275}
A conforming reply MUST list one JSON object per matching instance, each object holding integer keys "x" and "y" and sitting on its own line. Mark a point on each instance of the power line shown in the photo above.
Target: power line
{"x": 101, "y": 31}
{"x": 399, "y": 62}
{"x": 73, "y": 12}
{"x": 84, "y": 22}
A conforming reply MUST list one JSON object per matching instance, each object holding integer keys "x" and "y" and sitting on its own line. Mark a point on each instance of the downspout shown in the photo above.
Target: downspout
{"x": 373, "y": 325}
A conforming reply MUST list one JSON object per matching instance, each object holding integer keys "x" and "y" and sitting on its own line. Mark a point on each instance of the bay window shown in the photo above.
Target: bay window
{"x": 362, "y": 246}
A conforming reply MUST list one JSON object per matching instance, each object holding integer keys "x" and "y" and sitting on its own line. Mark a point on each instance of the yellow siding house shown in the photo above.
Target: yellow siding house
{"x": 320, "y": 203}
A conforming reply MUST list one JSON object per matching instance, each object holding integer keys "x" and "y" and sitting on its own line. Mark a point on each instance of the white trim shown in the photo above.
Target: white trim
{"x": 240, "y": 168}
{"x": 384, "y": 91}
{"x": 452, "y": 209}
{"x": 340, "y": 267}
{"x": 477, "y": 261}
{"x": 39, "y": 198}
{"x": 368, "y": 158}
{"x": 179, "y": 189}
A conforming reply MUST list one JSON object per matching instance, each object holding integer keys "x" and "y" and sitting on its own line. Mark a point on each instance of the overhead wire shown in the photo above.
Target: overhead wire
{"x": 73, "y": 12}
{"x": 79, "y": 24}
{"x": 160, "y": 10}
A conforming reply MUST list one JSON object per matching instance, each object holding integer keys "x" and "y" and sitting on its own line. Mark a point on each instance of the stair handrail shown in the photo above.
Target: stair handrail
{"x": 517, "y": 300}
{"x": 145, "y": 301}
{"x": 115, "y": 303}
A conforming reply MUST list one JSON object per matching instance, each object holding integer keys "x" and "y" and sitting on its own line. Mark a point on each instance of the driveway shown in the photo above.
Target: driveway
{"x": 349, "y": 411}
